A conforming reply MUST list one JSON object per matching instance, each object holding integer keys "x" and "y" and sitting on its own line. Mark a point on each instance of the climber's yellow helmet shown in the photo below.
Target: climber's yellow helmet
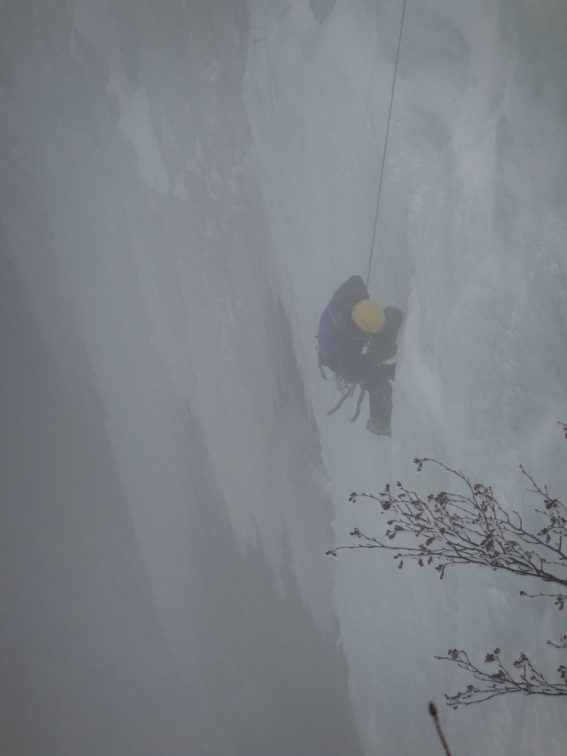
{"x": 368, "y": 316}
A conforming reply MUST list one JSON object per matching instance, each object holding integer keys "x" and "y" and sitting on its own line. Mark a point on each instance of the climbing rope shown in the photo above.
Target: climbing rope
{"x": 386, "y": 143}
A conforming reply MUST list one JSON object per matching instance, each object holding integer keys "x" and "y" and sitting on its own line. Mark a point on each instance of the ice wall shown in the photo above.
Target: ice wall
{"x": 471, "y": 245}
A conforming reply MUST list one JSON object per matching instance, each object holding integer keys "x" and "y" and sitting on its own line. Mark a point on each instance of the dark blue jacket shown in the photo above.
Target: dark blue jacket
{"x": 341, "y": 341}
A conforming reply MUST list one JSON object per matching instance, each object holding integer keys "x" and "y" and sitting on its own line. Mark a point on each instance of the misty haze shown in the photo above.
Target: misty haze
{"x": 184, "y": 186}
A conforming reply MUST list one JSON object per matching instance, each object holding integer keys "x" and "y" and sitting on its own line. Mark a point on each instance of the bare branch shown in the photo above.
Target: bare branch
{"x": 562, "y": 642}
{"x": 497, "y": 680}
{"x": 470, "y": 527}
{"x": 440, "y": 733}
{"x": 560, "y": 598}
{"x": 453, "y": 528}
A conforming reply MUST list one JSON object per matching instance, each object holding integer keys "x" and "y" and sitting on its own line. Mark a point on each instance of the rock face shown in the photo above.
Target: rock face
{"x": 164, "y": 508}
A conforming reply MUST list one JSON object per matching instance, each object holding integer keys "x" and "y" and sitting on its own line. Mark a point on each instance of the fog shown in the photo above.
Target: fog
{"x": 183, "y": 186}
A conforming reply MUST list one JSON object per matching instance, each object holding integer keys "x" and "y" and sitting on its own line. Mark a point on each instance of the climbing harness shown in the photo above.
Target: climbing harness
{"x": 348, "y": 393}
{"x": 386, "y": 143}
{"x": 346, "y": 389}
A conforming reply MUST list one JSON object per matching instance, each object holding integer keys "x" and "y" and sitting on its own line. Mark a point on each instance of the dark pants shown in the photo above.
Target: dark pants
{"x": 378, "y": 384}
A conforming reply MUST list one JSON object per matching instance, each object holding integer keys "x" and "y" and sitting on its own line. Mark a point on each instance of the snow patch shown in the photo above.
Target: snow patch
{"x": 135, "y": 123}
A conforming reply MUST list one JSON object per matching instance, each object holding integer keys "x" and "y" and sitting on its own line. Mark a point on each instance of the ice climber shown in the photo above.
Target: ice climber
{"x": 356, "y": 338}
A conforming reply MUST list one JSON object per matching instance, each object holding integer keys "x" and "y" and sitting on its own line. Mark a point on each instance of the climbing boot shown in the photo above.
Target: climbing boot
{"x": 377, "y": 429}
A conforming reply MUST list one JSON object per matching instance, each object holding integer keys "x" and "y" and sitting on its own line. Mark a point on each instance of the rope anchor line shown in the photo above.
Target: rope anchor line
{"x": 386, "y": 142}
